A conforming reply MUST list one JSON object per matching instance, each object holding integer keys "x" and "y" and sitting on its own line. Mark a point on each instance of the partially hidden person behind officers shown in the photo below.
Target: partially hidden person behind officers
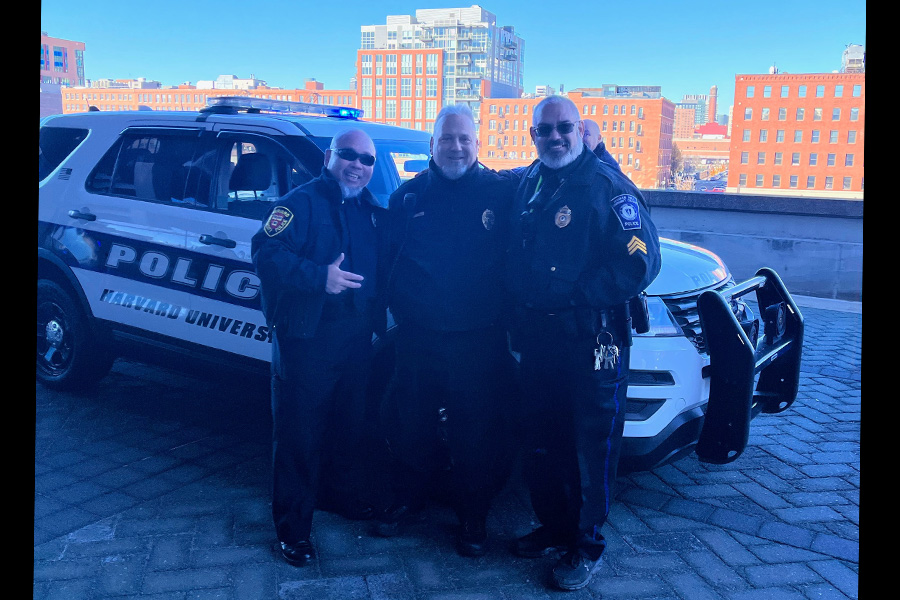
{"x": 445, "y": 413}
{"x": 582, "y": 246}
{"x": 593, "y": 139}
{"x": 317, "y": 259}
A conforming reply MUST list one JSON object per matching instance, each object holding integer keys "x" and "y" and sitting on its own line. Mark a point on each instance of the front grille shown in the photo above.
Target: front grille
{"x": 684, "y": 308}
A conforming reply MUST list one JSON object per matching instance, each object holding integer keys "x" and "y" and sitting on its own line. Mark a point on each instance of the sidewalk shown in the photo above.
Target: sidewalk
{"x": 155, "y": 486}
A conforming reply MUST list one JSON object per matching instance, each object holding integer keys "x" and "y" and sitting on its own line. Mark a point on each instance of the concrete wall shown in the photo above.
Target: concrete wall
{"x": 814, "y": 244}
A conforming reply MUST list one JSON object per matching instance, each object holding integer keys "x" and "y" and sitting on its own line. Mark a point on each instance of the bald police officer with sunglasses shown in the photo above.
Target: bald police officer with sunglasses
{"x": 317, "y": 259}
{"x": 582, "y": 245}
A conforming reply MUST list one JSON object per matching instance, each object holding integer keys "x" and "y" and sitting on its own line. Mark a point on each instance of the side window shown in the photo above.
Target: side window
{"x": 56, "y": 144}
{"x": 252, "y": 173}
{"x": 147, "y": 166}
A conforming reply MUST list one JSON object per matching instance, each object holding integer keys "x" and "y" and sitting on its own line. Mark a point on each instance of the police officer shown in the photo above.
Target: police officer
{"x": 316, "y": 257}
{"x": 445, "y": 412}
{"x": 594, "y": 142}
{"x": 582, "y": 245}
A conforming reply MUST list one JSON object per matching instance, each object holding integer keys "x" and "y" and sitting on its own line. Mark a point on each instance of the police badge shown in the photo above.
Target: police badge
{"x": 487, "y": 219}
{"x": 563, "y": 217}
{"x": 278, "y": 221}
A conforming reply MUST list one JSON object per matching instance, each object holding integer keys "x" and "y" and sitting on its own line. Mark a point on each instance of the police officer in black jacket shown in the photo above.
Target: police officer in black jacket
{"x": 445, "y": 413}
{"x": 582, "y": 245}
{"x": 594, "y": 142}
{"x": 317, "y": 259}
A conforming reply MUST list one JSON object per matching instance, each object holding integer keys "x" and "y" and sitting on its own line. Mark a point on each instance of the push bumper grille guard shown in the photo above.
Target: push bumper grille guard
{"x": 736, "y": 359}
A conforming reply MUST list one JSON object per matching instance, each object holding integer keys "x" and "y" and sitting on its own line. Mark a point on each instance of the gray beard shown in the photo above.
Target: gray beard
{"x": 349, "y": 192}
{"x": 566, "y": 159}
{"x": 454, "y": 173}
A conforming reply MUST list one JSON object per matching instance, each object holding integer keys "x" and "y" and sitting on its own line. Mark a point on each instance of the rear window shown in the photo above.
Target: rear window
{"x": 56, "y": 144}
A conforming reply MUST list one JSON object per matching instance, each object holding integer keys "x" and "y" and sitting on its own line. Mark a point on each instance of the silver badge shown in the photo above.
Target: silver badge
{"x": 487, "y": 219}
{"x": 563, "y": 217}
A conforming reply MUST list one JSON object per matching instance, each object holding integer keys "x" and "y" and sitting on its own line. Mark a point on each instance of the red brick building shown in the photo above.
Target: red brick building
{"x": 798, "y": 134}
{"x": 636, "y": 131}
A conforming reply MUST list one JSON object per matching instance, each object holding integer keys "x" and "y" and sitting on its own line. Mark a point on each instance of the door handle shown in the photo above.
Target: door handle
{"x": 211, "y": 239}
{"x": 83, "y": 215}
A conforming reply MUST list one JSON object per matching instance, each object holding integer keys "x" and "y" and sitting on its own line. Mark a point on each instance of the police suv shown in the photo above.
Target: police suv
{"x": 144, "y": 227}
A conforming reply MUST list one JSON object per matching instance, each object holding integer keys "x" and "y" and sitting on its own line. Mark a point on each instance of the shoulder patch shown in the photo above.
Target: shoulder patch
{"x": 278, "y": 221}
{"x": 628, "y": 211}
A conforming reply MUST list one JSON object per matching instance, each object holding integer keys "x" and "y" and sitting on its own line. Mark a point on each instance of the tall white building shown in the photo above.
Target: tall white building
{"x": 474, "y": 47}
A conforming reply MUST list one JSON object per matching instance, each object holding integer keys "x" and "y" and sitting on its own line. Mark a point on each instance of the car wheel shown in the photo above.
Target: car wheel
{"x": 69, "y": 353}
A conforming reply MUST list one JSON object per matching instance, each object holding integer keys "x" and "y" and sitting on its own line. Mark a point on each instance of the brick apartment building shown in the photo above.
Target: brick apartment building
{"x": 62, "y": 63}
{"x": 636, "y": 128}
{"x": 798, "y": 134}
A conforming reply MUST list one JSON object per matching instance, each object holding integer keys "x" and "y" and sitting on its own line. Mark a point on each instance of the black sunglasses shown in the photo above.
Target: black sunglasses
{"x": 545, "y": 129}
{"x": 349, "y": 154}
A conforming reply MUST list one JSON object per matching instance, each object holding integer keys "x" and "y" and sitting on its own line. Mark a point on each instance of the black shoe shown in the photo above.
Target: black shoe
{"x": 298, "y": 554}
{"x": 390, "y": 520}
{"x": 538, "y": 543}
{"x": 574, "y": 570}
{"x": 472, "y": 538}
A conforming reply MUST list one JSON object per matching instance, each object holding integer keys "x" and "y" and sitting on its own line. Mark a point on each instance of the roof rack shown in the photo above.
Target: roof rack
{"x": 235, "y": 104}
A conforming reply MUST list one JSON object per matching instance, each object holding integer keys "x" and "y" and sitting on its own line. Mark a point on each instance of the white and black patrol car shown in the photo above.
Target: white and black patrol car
{"x": 144, "y": 227}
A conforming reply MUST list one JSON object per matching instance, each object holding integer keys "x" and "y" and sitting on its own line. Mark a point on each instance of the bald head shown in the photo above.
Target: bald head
{"x": 344, "y": 160}
{"x": 591, "y": 134}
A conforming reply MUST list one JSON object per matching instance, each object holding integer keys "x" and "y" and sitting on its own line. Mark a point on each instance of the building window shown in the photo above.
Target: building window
{"x": 800, "y": 114}
{"x": 750, "y": 91}
{"x": 817, "y": 114}
{"x": 782, "y": 114}
{"x": 390, "y": 109}
{"x": 851, "y": 137}
{"x": 779, "y": 135}
{"x": 776, "y": 181}
{"x": 857, "y": 90}
{"x": 584, "y": 109}
{"x": 820, "y": 91}
{"x": 767, "y": 91}
{"x": 430, "y": 109}
{"x": 795, "y": 159}
{"x": 746, "y": 135}
{"x": 748, "y": 114}
{"x": 760, "y": 158}
{"x": 763, "y": 135}
{"x": 801, "y": 91}
{"x": 813, "y": 159}
{"x": 854, "y": 114}
{"x": 615, "y": 109}
{"x": 745, "y": 158}
{"x": 847, "y": 181}
{"x": 593, "y": 109}
{"x": 831, "y": 159}
{"x": 366, "y": 87}
{"x": 742, "y": 180}
{"x": 793, "y": 183}
{"x": 760, "y": 180}
{"x": 829, "y": 182}
{"x": 765, "y": 114}
{"x": 605, "y": 110}
{"x": 848, "y": 160}
{"x": 390, "y": 88}
{"x": 406, "y": 109}
{"x": 814, "y": 136}
{"x": 785, "y": 91}
{"x": 833, "y": 136}
{"x": 838, "y": 91}
{"x": 778, "y": 158}
{"x": 835, "y": 114}
{"x": 810, "y": 182}
{"x": 431, "y": 86}
{"x": 798, "y": 136}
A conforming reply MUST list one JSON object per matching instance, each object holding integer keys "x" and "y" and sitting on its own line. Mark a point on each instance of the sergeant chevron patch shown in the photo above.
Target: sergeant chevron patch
{"x": 635, "y": 245}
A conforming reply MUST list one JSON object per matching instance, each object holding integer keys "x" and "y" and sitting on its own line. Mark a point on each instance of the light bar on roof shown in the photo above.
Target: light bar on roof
{"x": 285, "y": 106}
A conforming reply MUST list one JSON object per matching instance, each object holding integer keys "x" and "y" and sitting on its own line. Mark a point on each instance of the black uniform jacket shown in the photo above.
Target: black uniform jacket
{"x": 447, "y": 247}
{"x": 586, "y": 241}
{"x": 302, "y": 235}
{"x": 605, "y": 156}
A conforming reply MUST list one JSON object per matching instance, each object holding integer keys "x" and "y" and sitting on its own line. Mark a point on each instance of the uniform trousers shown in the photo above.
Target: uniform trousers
{"x": 446, "y": 414}
{"x": 318, "y": 413}
{"x": 572, "y": 421}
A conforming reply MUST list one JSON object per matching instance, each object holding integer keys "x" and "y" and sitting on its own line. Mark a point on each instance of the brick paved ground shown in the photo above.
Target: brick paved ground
{"x": 155, "y": 486}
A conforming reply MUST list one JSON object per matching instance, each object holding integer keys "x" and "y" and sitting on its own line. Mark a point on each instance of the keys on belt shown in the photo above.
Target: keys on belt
{"x": 606, "y": 356}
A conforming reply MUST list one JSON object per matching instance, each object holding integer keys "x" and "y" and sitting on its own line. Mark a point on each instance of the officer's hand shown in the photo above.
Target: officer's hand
{"x": 338, "y": 280}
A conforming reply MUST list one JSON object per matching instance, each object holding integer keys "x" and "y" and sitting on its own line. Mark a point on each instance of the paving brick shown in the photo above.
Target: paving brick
{"x": 825, "y": 591}
{"x": 836, "y": 547}
{"x": 761, "y": 495}
{"x": 767, "y": 593}
{"x": 689, "y": 585}
{"x": 783, "y": 574}
{"x": 78, "y": 589}
{"x": 121, "y": 575}
{"x": 209, "y": 557}
{"x": 738, "y": 521}
{"x": 713, "y": 569}
{"x": 809, "y": 513}
{"x": 394, "y": 586}
{"x": 782, "y": 553}
{"x": 351, "y": 588}
{"x": 839, "y": 575}
{"x": 727, "y": 548}
{"x": 78, "y": 568}
{"x": 183, "y": 580}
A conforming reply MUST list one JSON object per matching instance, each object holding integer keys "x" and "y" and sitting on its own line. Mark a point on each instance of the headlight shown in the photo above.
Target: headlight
{"x": 662, "y": 323}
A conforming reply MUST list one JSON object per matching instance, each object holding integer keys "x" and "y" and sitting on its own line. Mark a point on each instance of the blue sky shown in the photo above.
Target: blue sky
{"x": 574, "y": 43}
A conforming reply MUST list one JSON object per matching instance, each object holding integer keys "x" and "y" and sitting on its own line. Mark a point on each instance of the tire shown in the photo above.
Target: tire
{"x": 70, "y": 356}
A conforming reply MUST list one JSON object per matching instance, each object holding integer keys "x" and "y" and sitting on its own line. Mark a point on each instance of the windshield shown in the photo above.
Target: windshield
{"x": 397, "y": 161}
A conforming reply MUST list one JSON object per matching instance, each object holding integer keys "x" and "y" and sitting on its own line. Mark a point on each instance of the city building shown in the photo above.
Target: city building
{"x": 62, "y": 63}
{"x": 853, "y": 59}
{"x": 138, "y": 94}
{"x": 635, "y": 122}
{"x": 798, "y": 134}
{"x": 685, "y": 121}
{"x": 411, "y": 66}
{"x": 704, "y": 107}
